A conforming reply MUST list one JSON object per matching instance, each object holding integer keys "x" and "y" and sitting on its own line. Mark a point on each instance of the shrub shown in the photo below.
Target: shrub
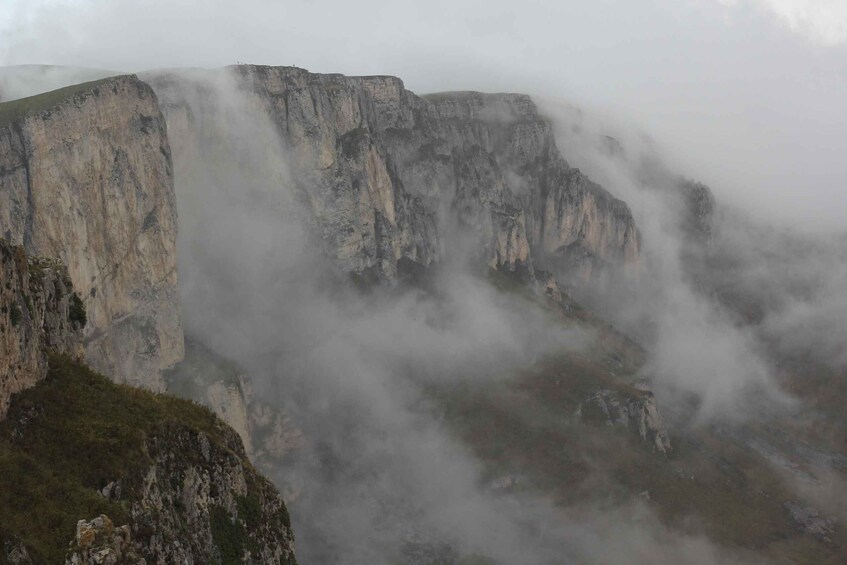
{"x": 15, "y": 314}
{"x": 77, "y": 311}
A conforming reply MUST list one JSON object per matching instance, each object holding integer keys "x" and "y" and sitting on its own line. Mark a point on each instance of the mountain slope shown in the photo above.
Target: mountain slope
{"x": 77, "y": 445}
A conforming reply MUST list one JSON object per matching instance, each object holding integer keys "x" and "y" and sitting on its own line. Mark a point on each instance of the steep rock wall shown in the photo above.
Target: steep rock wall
{"x": 86, "y": 176}
{"x": 39, "y": 312}
{"x": 389, "y": 177}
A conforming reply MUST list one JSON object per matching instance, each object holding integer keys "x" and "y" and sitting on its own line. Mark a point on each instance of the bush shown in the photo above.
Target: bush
{"x": 229, "y": 535}
{"x": 15, "y": 314}
{"x": 77, "y": 311}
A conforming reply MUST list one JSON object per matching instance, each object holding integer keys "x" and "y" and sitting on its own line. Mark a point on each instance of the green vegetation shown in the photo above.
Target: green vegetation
{"x": 29, "y": 305}
{"x": 525, "y": 424}
{"x": 352, "y": 141}
{"x": 15, "y": 314}
{"x": 77, "y": 310}
{"x": 70, "y": 436}
{"x": 16, "y": 109}
{"x": 229, "y": 535}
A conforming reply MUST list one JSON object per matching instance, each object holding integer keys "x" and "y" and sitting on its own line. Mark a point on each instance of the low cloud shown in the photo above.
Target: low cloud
{"x": 381, "y": 477}
{"x": 819, "y": 21}
{"x": 696, "y": 345}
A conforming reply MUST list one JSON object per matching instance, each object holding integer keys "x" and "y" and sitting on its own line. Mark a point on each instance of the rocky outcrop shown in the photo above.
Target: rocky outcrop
{"x": 39, "y": 312}
{"x": 99, "y": 542}
{"x": 637, "y": 411}
{"x": 170, "y": 471}
{"x": 85, "y": 176}
{"x": 698, "y": 207}
{"x": 810, "y": 521}
{"x": 269, "y": 437}
{"x": 389, "y": 177}
{"x": 200, "y": 502}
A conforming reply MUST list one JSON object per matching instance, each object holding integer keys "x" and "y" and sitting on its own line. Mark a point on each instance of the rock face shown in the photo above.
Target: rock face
{"x": 698, "y": 210}
{"x": 99, "y": 542}
{"x": 171, "y": 471}
{"x": 638, "y": 413}
{"x": 85, "y": 176}
{"x": 269, "y": 437}
{"x": 39, "y": 312}
{"x": 218, "y": 509}
{"x": 391, "y": 179}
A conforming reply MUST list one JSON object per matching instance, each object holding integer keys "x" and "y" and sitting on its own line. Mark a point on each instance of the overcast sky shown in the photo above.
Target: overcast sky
{"x": 747, "y": 95}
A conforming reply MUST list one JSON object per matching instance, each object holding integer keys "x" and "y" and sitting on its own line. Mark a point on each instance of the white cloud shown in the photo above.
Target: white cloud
{"x": 821, "y": 21}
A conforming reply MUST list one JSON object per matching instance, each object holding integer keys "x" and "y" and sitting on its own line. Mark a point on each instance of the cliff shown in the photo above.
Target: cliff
{"x": 392, "y": 180}
{"x": 39, "y": 312}
{"x": 168, "y": 473}
{"x": 268, "y": 436}
{"x": 74, "y": 445}
{"x": 86, "y": 177}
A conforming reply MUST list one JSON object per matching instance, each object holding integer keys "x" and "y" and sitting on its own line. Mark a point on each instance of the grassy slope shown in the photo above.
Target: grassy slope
{"x": 524, "y": 425}
{"x": 17, "y": 109}
{"x": 71, "y": 435}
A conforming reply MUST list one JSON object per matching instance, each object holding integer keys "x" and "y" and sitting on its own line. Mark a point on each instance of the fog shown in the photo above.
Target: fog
{"x": 380, "y": 479}
{"x": 696, "y": 346}
{"x": 28, "y": 80}
{"x": 745, "y": 96}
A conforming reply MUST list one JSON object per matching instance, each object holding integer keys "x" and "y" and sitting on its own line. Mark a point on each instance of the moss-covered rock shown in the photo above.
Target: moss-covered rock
{"x": 36, "y": 316}
{"x": 78, "y": 445}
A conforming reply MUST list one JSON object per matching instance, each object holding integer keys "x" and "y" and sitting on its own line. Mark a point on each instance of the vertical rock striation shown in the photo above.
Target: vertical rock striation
{"x": 391, "y": 179}
{"x": 86, "y": 176}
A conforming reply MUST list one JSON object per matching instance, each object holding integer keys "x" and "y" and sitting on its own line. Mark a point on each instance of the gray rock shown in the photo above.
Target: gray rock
{"x": 388, "y": 176}
{"x": 99, "y": 542}
{"x": 638, "y": 412}
{"x": 37, "y": 315}
{"x": 86, "y": 177}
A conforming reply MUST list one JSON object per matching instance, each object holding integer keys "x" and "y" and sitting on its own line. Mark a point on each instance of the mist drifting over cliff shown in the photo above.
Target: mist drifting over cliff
{"x": 749, "y": 84}
{"x": 730, "y": 294}
{"x": 715, "y": 286}
{"x": 380, "y": 478}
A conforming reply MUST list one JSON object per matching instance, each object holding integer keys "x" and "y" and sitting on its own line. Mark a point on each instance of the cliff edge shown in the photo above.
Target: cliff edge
{"x": 86, "y": 177}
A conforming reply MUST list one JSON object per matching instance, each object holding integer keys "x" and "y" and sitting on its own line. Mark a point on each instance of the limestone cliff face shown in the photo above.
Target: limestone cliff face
{"x": 85, "y": 176}
{"x": 570, "y": 221}
{"x": 39, "y": 312}
{"x": 390, "y": 178}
